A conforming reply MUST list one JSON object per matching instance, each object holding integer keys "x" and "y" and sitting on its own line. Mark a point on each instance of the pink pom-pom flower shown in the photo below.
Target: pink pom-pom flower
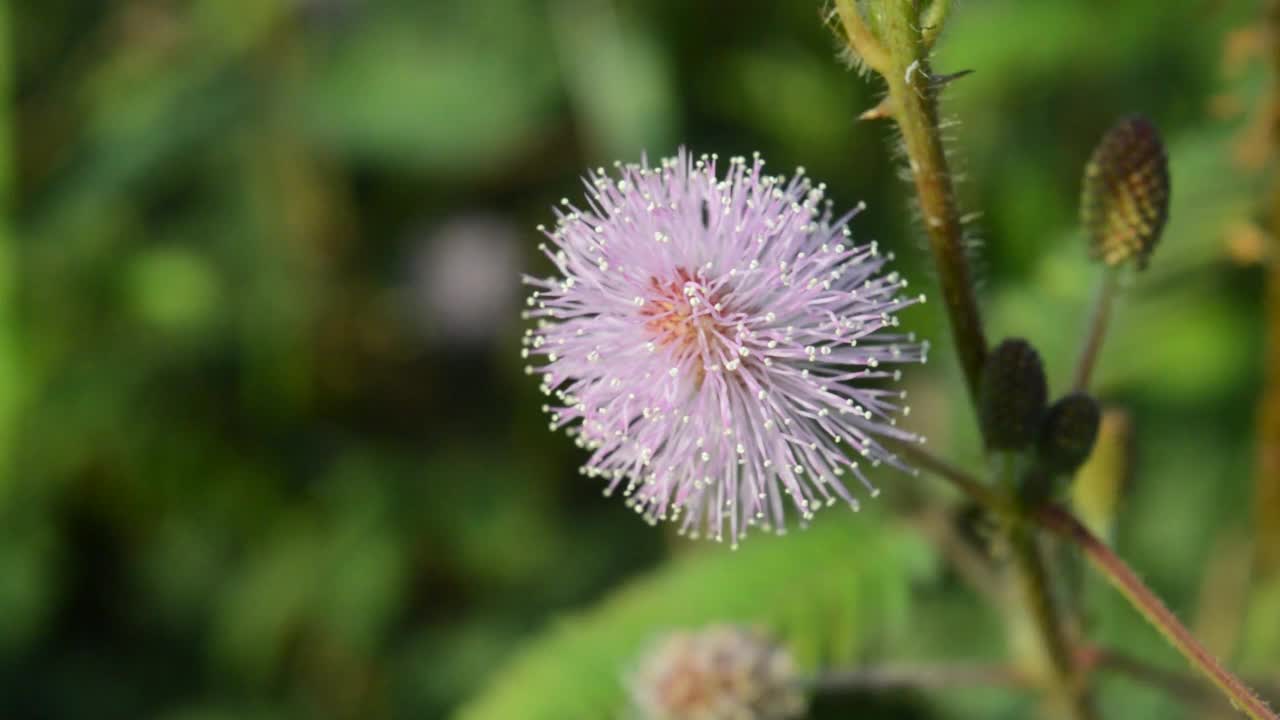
{"x": 720, "y": 345}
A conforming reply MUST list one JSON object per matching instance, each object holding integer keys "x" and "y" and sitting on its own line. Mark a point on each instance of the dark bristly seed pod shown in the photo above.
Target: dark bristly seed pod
{"x": 1069, "y": 432}
{"x": 1013, "y": 397}
{"x": 1125, "y": 200}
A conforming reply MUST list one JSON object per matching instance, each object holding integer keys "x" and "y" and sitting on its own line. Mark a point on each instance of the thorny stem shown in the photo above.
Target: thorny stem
{"x": 900, "y": 53}
{"x": 913, "y": 97}
{"x": 913, "y": 102}
{"x": 1099, "y": 318}
{"x": 1062, "y": 523}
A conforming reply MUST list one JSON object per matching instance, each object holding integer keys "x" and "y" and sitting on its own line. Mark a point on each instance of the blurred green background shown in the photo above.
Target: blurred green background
{"x": 267, "y": 449}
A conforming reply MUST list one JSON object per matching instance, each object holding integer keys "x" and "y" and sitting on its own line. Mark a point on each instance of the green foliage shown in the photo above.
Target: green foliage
{"x": 419, "y": 76}
{"x": 243, "y": 475}
{"x": 830, "y": 593}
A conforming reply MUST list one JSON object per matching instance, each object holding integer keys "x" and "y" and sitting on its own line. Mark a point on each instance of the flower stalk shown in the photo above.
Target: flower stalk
{"x": 1124, "y": 205}
{"x": 1096, "y": 331}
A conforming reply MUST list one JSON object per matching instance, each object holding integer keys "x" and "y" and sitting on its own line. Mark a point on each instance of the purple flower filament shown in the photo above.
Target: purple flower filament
{"x": 720, "y": 346}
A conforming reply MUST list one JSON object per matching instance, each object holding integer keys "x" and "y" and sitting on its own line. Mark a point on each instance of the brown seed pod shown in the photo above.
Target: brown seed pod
{"x": 1125, "y": 200}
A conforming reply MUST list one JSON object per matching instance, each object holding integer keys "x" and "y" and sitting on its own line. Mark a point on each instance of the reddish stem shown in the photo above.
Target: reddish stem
{"x": 1059, "y": 521}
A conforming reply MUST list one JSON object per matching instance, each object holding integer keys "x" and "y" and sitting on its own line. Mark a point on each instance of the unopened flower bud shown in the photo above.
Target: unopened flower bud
{"x": 1069, "y": 432}
{"x": 1125, "y": 200}
{"x": 723, "y": 672}
{"x": 1013, "y": 396}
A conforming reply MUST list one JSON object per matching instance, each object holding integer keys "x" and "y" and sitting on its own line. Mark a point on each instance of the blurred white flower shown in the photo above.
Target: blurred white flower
{"x": 722, "y": 672}
{"x": 464, "y": 286}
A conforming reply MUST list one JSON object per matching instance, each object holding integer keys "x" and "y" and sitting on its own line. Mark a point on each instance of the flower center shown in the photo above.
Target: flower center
{"x": 678, "y": 312}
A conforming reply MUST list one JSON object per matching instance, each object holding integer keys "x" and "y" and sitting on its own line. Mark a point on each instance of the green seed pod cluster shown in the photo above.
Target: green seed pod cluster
{"x": 1013, "y": 397}
{"x": 1125, "y": 200}
{"x": 1069, "y": 431}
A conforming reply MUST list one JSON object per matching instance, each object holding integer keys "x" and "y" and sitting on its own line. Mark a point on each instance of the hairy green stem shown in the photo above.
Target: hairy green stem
{"x": 918, "y": 456}
{"x": 913, "y": 99}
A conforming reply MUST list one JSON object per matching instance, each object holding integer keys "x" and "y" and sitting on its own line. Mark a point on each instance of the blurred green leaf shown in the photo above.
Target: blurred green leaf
{"x": 269, "y": 599}
{"x": 617, "y": 77}
{"x": 454, "y": 93}
{"x": 803, "y": 101}
{"x": 243, "y": 485}
{"x": 828, "y": 592}
{"x": 174, "y": 290}
{"x": 29, "y": 586}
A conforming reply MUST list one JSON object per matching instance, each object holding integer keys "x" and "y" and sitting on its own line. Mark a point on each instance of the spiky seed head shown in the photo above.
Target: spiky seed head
{"x": 1125, "y": 200}
{"x": 723, "y": 672}
{"x": 1013, "y": 396}
{"x": 1069, "y": 431}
